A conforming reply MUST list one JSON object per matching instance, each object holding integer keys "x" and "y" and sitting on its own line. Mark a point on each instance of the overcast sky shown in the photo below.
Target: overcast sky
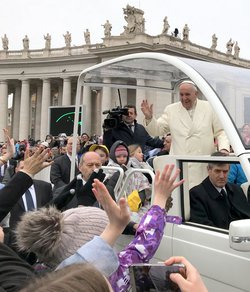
{"x": 226, "y": 18}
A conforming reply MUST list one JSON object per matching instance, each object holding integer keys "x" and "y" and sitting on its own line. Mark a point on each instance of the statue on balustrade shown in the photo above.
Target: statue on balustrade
{"x": 107, "y": 29}
{"x": 47, "y": 38}
{"x": 166, "y": 25}
{"x": 135, "y": 20}
{"x": 185, "y": 33}
{"x": 5, "y": 42}
{"x": 26, "y": 43}
{"x": 214, "y": 42}
{"x": 67, "y": 38}
{"x": 87, "y": 37}
{"x": 236, "y": 51}
{"x": 230, "y": 45}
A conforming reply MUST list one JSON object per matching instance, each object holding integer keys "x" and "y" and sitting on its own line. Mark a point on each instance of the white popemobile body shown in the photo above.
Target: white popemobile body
{"x": 221, "y": 256}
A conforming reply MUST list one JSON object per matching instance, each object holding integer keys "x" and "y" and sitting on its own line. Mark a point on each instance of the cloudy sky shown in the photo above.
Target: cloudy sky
{"x": 227, "y": 18}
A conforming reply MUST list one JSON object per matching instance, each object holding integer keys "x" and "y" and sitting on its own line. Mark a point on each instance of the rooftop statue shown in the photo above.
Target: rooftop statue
{"x": 214, "y": 42}
{"x": 67, "y": 38}
{"x": 107, "y": 29}
{"x": 185, "y": 33}
{"x": 166, "y": 25}
{"x": 230, "y": 44}
{"x": 26, "y": 43}
{"x": 5, "y": 42}
{"x": 135, "y": 20}
{"x": 87, "y": 37}
{"x": 236, "y": 51}
{"x": 47, "y": 38}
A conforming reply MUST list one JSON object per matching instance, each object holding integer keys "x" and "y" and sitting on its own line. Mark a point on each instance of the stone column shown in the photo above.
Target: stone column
{"x": 60, "y": 93}
{"x": 66, "y": 97}
{"x": 106, "y": 103}
{"x": 87, "y": 105}
{"x": 46, "y": 94}
{"x": 38, "y": 111}
{"x": 16, "y": 111}
{"x": 96, "y": 112}
{"x": 24, "y": 123}
{"x": 140, "y": 95}
{"x": 3, "y": 107}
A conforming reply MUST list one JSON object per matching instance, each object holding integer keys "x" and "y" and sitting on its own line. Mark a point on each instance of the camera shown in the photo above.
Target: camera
{"x": 114, "y": 117}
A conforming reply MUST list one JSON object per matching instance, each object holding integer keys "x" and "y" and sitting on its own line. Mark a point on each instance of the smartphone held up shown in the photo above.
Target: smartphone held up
{"x": 154, "y": 277}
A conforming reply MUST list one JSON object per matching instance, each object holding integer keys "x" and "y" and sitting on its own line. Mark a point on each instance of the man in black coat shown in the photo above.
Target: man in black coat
{"x": 79, "y": 190}
{"x": 215, "y": 202}
{"x": 60, "y": 169}
{"x": 130, "y": 132}
{"x": 39, "y": 194}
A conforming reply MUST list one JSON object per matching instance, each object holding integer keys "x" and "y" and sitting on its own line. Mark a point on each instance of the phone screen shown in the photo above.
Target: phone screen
{"x": 145, "y": 278}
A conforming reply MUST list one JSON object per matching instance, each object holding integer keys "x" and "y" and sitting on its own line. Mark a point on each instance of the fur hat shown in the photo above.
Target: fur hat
{"x": 121, "y": 150}
{"x": 54, "y": 236}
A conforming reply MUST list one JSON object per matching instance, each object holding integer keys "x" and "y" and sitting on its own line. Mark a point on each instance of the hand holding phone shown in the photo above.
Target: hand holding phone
{"x": 192, "y": 282}
{"x": 155, "y": 277}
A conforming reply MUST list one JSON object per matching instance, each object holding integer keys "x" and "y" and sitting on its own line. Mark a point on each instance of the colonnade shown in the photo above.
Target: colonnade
{"x": 31, "y": 101}
{"x": 33, "y": 97}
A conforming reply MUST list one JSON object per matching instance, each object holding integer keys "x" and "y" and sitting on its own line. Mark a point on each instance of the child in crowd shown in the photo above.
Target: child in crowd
{"x": 103, "y": 151}
{"x": 119, "y": 157}
{"x": 136, "y": 159}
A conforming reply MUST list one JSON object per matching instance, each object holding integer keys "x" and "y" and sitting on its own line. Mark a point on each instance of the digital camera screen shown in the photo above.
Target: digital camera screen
{"x": 62, "y": 120}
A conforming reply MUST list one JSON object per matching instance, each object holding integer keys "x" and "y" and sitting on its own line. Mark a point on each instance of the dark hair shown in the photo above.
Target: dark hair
{"x": 216, "y": 163}
{"x": 85, "y": 134}
{"x": 74, "y": 278}
{"x": 131, "y": 106}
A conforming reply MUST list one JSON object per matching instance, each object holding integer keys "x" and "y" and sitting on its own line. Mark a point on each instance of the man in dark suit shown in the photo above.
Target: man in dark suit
{"x": 41, "y": 194}
{"x": 60, "y": 169}
{"x": 130, "y": 132}
{"x": 79, "y": 190}
{"x": 36, "y": 196}
{"x": 216, "y": 202}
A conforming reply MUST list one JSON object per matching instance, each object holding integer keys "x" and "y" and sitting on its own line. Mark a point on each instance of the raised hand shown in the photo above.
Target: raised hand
{"x": 147, "y": 109}
{"x": 118, "y": 214}
{"x": 10, "y": 145}
{"x": 165, "y": 183}
{"x": 35, "y": 163}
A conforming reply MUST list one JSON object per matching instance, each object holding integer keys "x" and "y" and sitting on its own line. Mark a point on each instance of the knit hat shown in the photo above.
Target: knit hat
{"x": 121, "y": 150}
{"x": 54, "y": 236}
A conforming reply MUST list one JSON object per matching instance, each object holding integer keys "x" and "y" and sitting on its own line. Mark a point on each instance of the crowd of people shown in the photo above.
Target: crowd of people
{"x": 60, "y": 238}
{"x": 66, "y": 229}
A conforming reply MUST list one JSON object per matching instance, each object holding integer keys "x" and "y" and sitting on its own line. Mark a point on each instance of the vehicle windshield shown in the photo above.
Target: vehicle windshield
{"x": 232, "y": 86}
{"x": 230, "y": 83}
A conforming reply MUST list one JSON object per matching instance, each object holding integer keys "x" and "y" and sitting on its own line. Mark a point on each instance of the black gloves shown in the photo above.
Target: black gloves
{"x": 84, "y": 193}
